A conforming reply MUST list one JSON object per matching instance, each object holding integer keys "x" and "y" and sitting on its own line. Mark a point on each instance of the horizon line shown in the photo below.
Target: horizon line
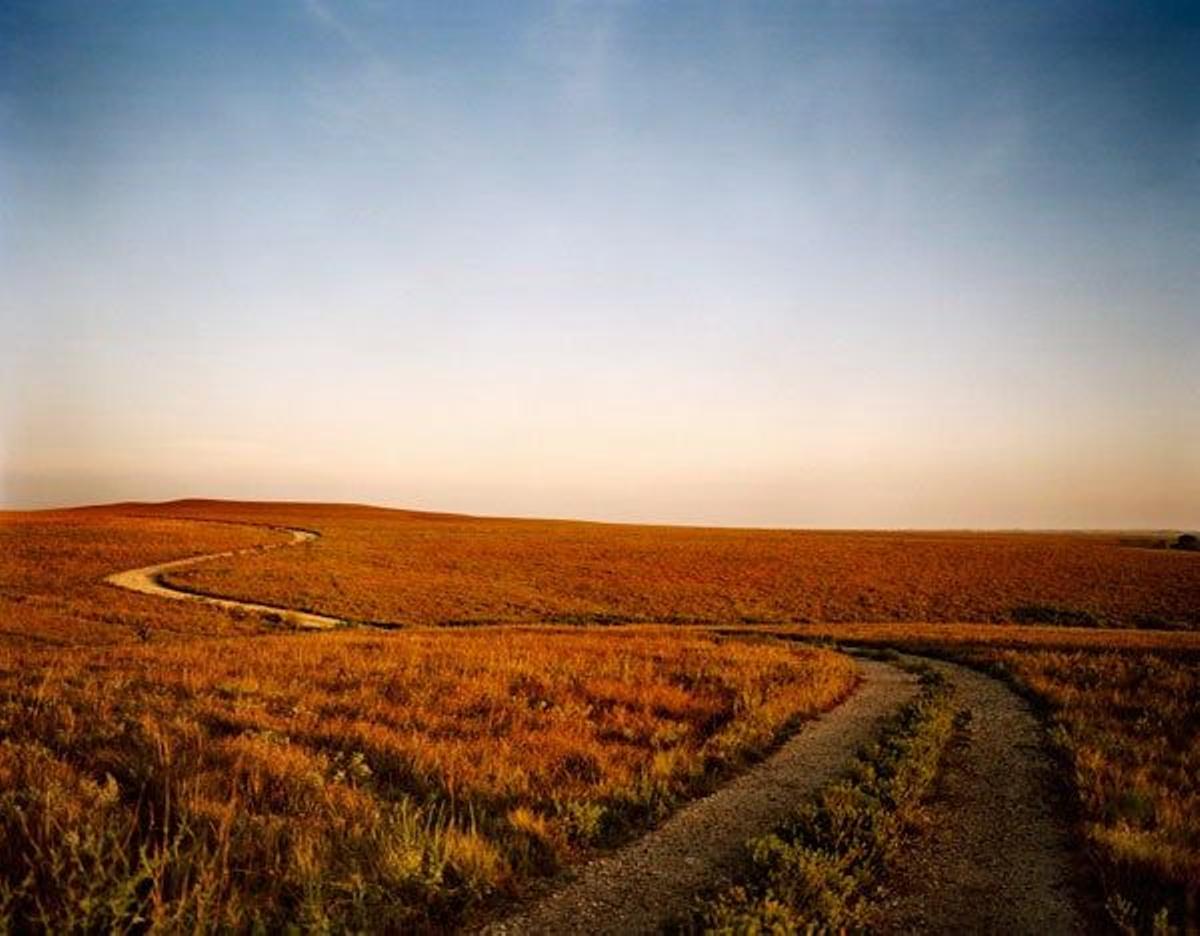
{"x": 530, "y": 518}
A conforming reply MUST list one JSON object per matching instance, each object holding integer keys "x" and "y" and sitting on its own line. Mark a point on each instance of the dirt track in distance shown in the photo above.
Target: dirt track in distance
{"x": 147, "y": 580}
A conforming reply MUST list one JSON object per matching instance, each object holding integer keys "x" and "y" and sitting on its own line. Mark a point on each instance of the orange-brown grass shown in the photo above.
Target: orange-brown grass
{"x": 316, "y": 777}
{"x": 404, "y": 567}
{"x": 920, "y": 637}
{"x": 356, "y": 779}
{"x": 53, "y": 564}
{"x": 1124, "y": 708}
{"x": 1129, "y": 724}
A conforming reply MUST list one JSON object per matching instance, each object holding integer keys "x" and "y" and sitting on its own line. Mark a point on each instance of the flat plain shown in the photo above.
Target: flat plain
{"x": 534, "y": 692}
{"x": 411, "y": 568}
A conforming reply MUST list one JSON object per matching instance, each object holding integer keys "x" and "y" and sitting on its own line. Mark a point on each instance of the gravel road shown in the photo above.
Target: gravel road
{"x": 995, "y": 855}
{"x": 148, "y": 581}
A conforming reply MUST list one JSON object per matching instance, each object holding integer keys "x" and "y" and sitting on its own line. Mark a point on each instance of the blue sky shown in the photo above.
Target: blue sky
{"x": 831, "y": 264}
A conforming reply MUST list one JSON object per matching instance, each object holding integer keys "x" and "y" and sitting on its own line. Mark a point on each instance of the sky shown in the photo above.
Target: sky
{"x": 828, "y": 264}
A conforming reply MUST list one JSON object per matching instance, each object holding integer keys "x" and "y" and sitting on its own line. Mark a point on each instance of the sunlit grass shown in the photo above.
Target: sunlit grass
{"x": 412, "y": 568}
{"x": 149, "y": 769}
{"x": 372, "y": 780}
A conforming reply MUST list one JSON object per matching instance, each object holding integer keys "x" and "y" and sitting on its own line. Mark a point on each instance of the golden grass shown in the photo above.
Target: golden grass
{"x": 261, "y": 777}
{"x": 1129, "y": 724}
{"x": 53, "y": 564}
{"x": 411, "y": 568}
{"x": 358, "y": 779}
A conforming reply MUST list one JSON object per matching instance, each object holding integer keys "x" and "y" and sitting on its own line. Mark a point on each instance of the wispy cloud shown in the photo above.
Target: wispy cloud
{"x": 321, "y": 14}
{"x": 579, "y": 42}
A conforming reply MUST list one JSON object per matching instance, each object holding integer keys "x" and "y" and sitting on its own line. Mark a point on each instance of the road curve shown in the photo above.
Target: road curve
{"x": 148, "y": 580}
{"x": 654, "y": 879}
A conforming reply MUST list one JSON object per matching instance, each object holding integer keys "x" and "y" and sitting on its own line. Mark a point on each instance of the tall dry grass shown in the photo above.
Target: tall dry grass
{"x": 356, "y": 780}
{"x": 1128, "y": 725}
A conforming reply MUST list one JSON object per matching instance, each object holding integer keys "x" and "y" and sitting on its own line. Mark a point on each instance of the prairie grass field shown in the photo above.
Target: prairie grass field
{"x": 52, "y": 566}
{"x": 412, "y": 568}
{"x": 395, "y": 779}
{"x": 167, "y": 765}
{"x": 239, "y": 777}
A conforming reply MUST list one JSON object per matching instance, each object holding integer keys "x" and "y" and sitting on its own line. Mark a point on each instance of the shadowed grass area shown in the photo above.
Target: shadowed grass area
{"x": 1047, "y": 614}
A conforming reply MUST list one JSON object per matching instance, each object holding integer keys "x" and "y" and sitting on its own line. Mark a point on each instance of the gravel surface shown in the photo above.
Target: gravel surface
{"x": 994, "y": 856}
{"x": 655, "y": 878}
{"x": 148, "y": 581}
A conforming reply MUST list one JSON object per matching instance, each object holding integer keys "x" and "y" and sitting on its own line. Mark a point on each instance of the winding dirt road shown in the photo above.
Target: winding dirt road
{"x": 995, "y": 856}
{"x": 148, "y": 580}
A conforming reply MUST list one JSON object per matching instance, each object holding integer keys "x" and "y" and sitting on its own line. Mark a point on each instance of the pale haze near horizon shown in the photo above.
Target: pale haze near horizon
{"x": 852, "y": 264}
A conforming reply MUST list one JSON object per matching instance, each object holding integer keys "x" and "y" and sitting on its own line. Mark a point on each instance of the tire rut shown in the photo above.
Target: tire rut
{"x": 995, "y": 854}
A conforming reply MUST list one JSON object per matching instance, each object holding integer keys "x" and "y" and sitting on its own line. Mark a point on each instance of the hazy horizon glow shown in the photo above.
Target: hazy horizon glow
{"x": 818, "y": 264}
